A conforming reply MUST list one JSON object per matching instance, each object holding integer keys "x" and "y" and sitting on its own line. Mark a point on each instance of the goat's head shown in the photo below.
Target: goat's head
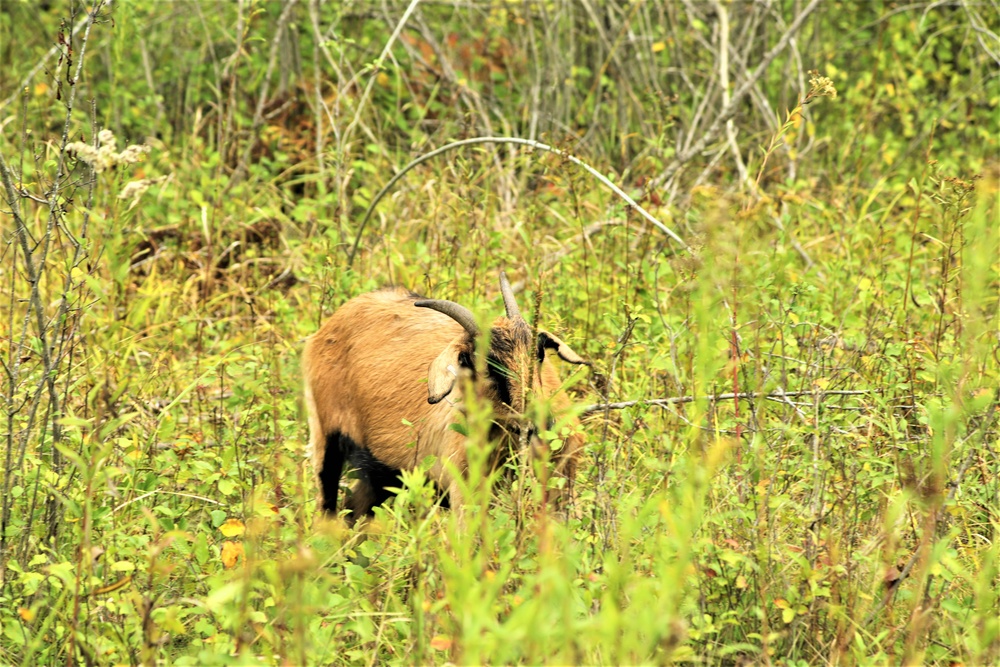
{"x": 515, "y": 360}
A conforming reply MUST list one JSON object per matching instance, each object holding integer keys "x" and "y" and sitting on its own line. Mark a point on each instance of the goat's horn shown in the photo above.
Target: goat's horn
{"x": 457, "y": 312}
{"x": 513, "y": 312}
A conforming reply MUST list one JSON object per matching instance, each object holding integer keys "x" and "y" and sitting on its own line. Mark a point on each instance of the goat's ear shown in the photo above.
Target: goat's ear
{"x": 445, "y": 370}
{"x": 547, "y": 341}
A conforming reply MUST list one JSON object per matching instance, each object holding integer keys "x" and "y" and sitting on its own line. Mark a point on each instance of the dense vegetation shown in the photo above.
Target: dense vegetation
{"x": 183, "y": 184}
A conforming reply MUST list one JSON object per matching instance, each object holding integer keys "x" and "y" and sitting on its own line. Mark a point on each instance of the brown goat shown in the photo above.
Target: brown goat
{"x": 377, "y": 374}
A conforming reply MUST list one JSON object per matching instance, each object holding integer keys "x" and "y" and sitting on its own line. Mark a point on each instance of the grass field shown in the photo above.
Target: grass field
{"x": 792, "y": 445}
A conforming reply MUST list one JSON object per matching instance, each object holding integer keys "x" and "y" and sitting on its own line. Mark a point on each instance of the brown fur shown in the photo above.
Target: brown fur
{"x": 366, "y": 379}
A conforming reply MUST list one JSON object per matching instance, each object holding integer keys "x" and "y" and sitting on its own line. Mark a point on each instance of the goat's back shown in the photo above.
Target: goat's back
{"x": 366, "y": 372}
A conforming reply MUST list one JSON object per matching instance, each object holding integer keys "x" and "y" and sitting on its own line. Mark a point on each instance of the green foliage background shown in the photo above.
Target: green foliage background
{"x": 157, "y": 505}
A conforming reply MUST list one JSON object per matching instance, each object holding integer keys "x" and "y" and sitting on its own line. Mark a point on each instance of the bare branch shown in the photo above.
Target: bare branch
{"x": 678, "y": 400}
{"x": 729, "y": 110}
{"x": 508, "y": 140}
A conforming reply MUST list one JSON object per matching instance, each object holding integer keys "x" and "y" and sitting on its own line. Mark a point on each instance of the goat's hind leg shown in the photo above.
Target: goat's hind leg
{"x": 329, "y": 469}
{"x": 374, "y": 479}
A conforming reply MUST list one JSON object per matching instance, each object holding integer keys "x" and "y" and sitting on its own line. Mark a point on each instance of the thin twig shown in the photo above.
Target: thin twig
{"x": 677, "y": 400}
{"x": 723, "y": 14}
{"x": 376, "y": 67}
{"x": 168, "y": 493}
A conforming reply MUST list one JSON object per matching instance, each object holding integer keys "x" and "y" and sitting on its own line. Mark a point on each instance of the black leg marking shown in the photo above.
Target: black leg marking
{"x": 329, "y": 476}
{"x": 373, "y": 478}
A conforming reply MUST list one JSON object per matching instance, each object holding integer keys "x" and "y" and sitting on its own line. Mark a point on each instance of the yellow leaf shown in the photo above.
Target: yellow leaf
{"x": 788, "y": 615}
{"x": 741, "y": 582}
{"x": 441, "y": 643}
{"x": 27, "y": 615}
{"x": 659, "y": 46}
{"x": 864, "y": 284}
{"x": 382, "y": 78}
{"x": 781, "y": 603}
{"x": 232, "y": 528}
{"x": 231, "y": 552}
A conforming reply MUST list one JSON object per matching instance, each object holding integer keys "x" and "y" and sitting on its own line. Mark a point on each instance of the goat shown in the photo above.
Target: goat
{"x": 368, "y": 405}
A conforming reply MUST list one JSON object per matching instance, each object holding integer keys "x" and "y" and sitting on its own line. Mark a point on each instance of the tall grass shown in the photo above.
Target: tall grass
{"x": 818, "y": 484}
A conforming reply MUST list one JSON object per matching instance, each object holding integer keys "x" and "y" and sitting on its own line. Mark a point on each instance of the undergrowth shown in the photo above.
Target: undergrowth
{"x": 819, "y": 484}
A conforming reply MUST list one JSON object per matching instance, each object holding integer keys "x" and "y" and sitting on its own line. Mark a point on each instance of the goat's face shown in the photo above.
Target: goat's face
{"x": 515, "y": 361}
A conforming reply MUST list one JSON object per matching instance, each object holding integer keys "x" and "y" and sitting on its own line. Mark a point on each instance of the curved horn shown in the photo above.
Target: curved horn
{"x": 457, "y": 312}
{"x": 513, "y": 312}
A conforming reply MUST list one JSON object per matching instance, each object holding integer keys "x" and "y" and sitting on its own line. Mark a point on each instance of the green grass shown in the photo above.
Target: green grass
{"x": 158, "y": 506}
